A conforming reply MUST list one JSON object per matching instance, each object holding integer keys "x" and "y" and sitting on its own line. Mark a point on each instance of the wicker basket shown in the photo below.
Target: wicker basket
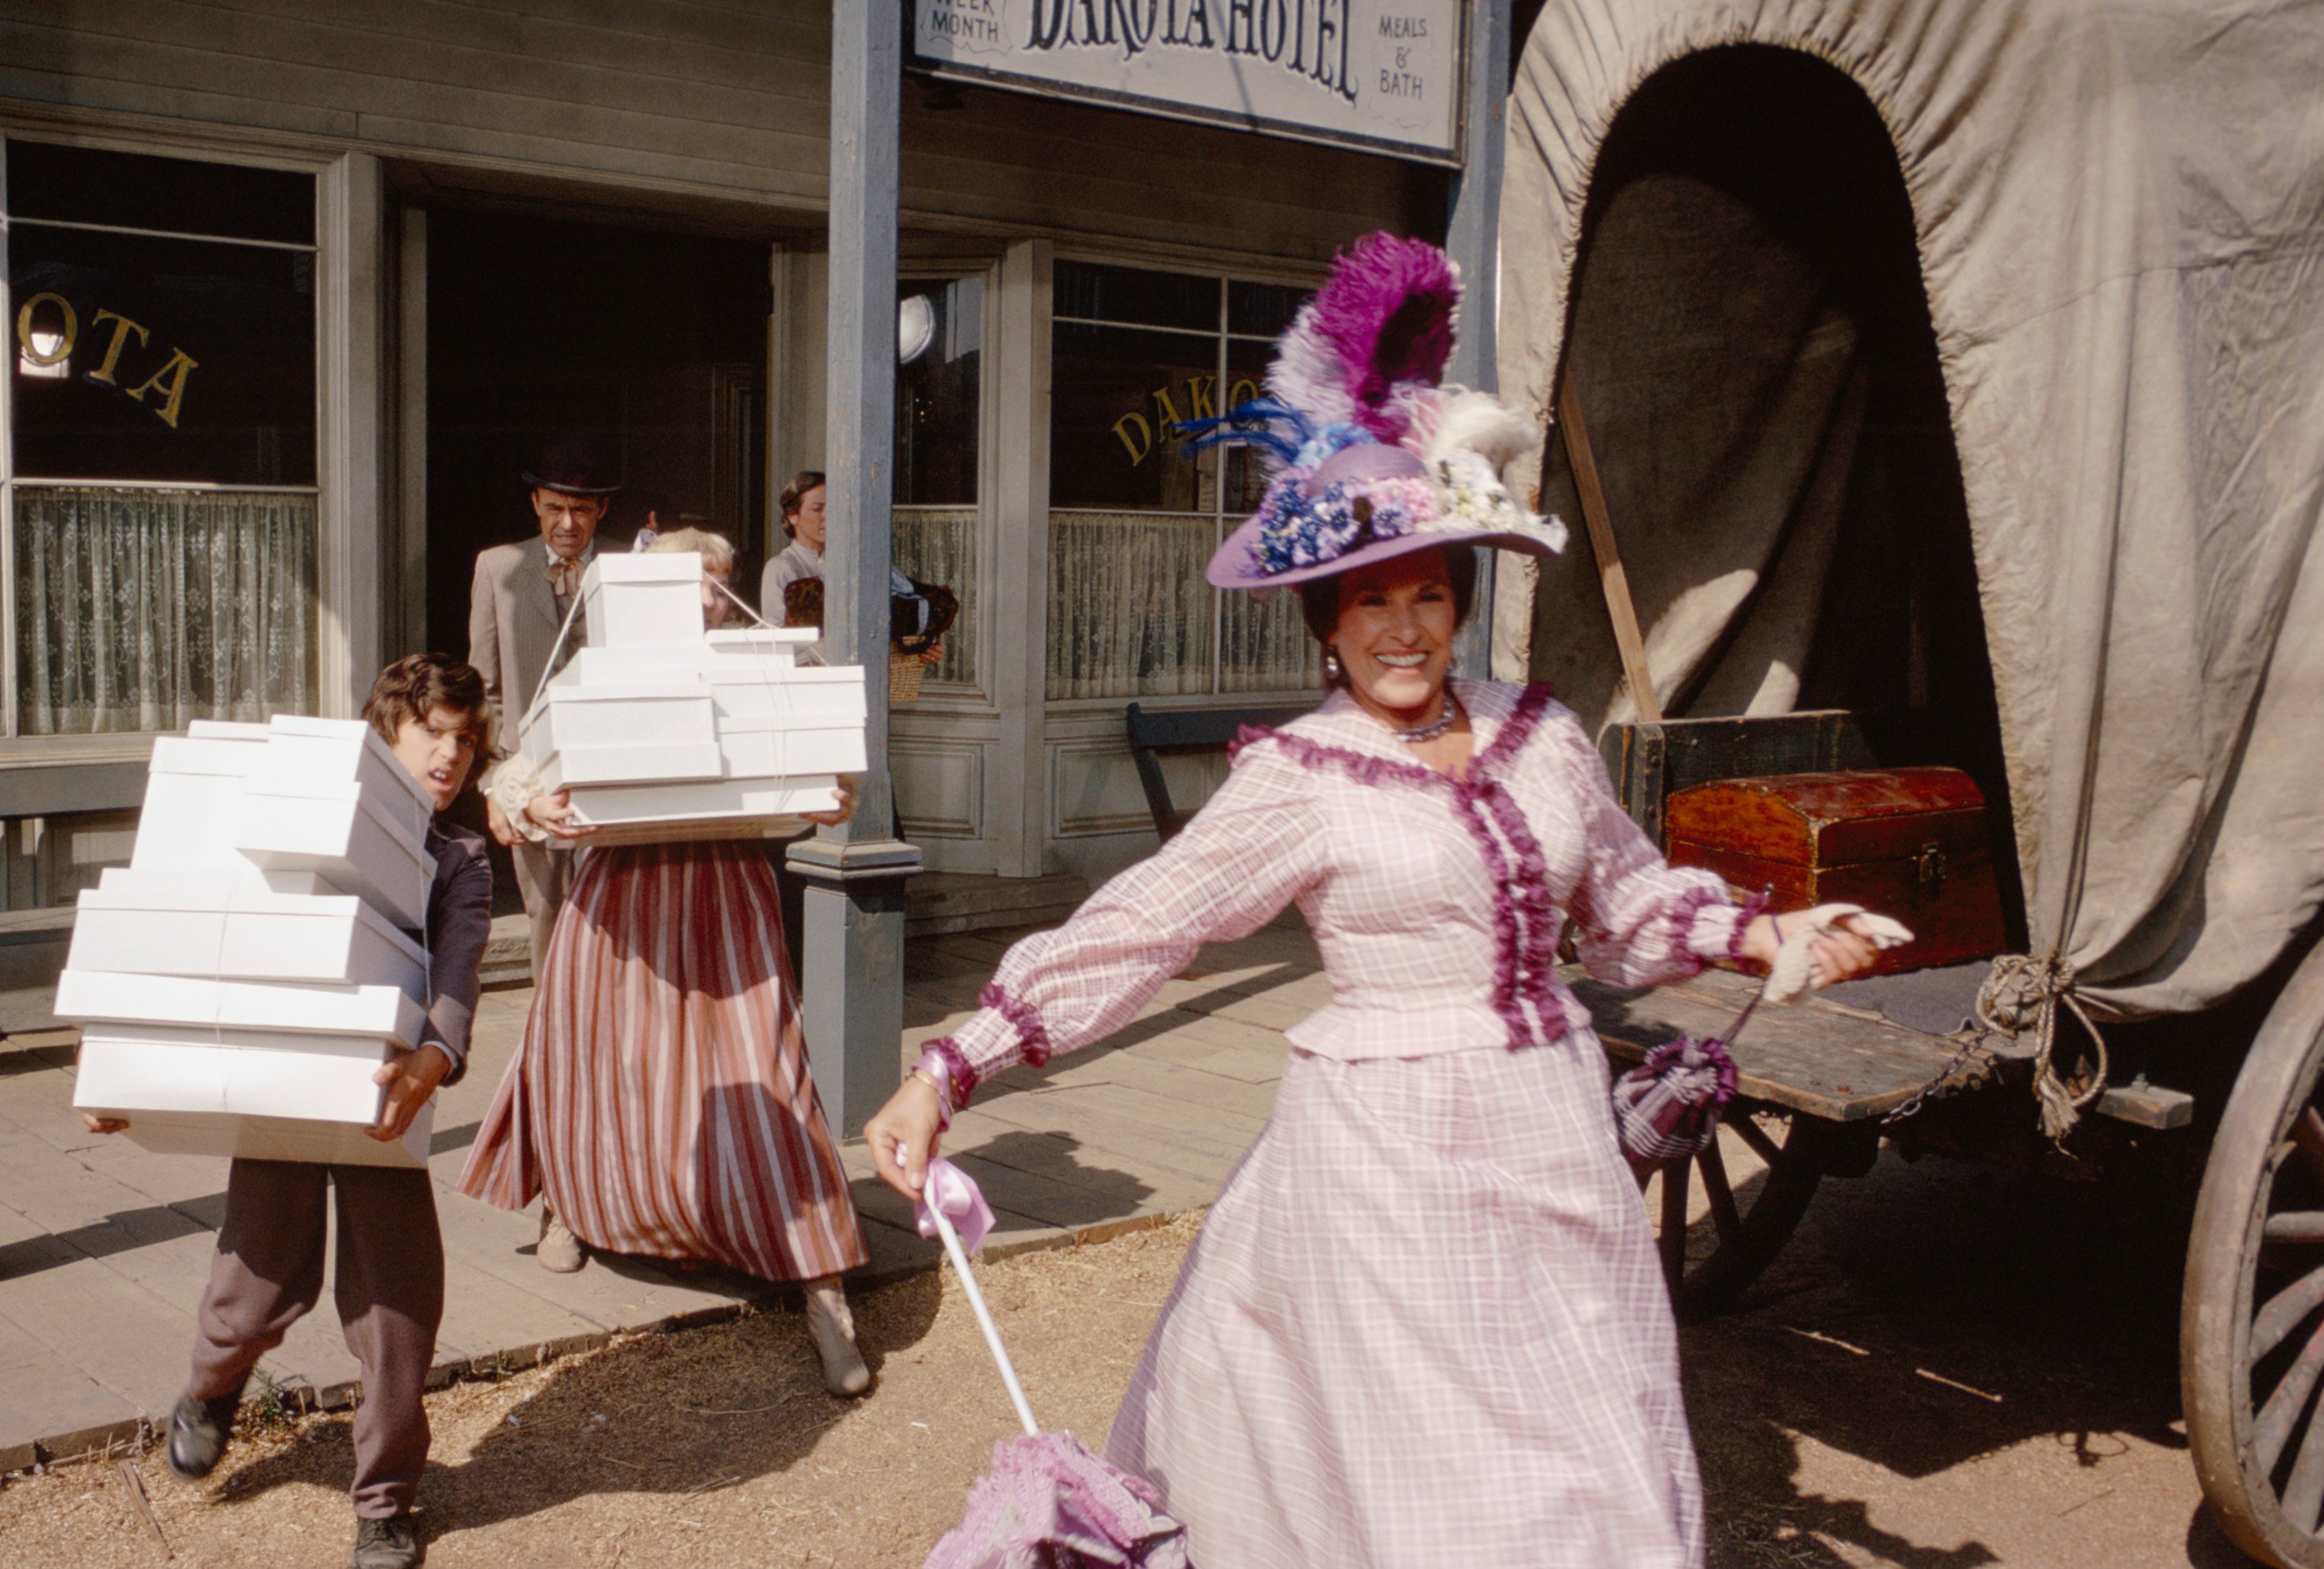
{"x": 904, "y": 674}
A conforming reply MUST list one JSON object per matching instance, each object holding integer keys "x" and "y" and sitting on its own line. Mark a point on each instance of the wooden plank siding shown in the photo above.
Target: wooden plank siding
{"x": 723, "y": 101}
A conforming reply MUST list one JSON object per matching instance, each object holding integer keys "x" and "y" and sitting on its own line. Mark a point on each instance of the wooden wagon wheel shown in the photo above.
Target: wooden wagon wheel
{"x": 2251, "y": 1325}
{"x": 1749, "y": 1227}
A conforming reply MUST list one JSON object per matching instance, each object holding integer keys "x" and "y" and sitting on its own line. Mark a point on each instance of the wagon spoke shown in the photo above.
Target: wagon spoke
{"x": 1722, "y": 1196}
{"x": 2296, "y": 1225}
{"x": 1753, "y": 1134}
{"x": 2284, "y": 1313}
{"x": 1672, "y": 1240}
{"x": 2304, "y": 1492}
{"x": 2308, "y": 1132}
{"x": 2272, "y": 1429}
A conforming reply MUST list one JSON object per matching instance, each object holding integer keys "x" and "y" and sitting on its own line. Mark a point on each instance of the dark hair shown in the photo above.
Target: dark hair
{"x": 1319, "y": 598}
{"x": 418, "y": 684}
{"x": 795, "y": 492}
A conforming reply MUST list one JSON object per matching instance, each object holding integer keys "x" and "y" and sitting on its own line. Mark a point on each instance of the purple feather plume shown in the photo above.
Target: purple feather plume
{"x": 1384, "y": 316}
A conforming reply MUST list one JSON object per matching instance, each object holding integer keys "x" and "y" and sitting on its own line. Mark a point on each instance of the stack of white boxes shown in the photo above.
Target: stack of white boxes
{"x": 660, "y": 730}
{"x": 243, "y": 979}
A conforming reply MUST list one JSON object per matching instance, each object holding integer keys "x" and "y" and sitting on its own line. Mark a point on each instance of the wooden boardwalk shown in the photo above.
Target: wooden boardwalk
{"x": 104, "y": 1247}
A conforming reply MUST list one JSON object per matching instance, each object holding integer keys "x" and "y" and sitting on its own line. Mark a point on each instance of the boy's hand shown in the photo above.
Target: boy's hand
{"x": 410, "y": 1079}
{"x": 97, "y": 1124}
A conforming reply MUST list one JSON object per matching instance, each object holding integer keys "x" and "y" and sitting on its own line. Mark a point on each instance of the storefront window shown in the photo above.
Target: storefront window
{"x": 939, "y": 391}
{"x": 1134, "y": 517}
{"x": 161, "y": 467}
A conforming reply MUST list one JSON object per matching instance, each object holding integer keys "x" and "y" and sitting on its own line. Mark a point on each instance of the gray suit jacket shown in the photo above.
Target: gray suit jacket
{"x": 460, "y": 925}
{"x": 512, "y": 623}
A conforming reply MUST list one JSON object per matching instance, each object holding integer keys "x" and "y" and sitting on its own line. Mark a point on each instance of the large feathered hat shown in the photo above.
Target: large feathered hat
{"x": 1372, "y": 457}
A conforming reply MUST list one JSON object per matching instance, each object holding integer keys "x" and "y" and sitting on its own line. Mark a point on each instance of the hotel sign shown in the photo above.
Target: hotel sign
{"x": 1382, "y": 75}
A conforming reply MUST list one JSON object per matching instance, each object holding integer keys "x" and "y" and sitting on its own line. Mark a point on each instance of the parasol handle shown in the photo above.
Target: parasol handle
{"x": 983, "y": 1318}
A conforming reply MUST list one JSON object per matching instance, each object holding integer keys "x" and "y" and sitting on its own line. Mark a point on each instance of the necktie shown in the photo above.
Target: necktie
{"x": 564, "y": 577}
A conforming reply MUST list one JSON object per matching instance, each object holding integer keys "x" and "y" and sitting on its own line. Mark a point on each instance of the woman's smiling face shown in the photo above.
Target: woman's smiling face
{"x": 1394, "y": 634}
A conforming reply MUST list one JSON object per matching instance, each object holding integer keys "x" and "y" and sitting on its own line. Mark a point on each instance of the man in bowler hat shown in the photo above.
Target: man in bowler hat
{"x": 520, "y": 600}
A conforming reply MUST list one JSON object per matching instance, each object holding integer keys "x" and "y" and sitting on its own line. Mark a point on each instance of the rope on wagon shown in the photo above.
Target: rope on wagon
{"x": 2023, "y": 993}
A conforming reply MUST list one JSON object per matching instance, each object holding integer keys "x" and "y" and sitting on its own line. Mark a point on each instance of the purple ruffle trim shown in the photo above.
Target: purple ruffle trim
{"x": 1525, "y": 915}
{"x": 1032, "y": 1035}
{"x": 959, "y": 1076}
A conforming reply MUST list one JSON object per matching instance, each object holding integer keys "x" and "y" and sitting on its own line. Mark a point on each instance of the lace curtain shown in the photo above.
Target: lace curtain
{"x": 145, "y": 610}
{"x": 1130, "y": 614}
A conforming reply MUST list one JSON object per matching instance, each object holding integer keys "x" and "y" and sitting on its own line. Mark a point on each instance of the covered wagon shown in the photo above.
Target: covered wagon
{"x": 1948, "y": 377}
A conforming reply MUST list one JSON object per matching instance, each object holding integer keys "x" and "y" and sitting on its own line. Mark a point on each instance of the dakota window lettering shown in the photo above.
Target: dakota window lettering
{"x": 1134, "y": 516}
{"x": 162, "y": 505}
{"x": 44, "y": 348}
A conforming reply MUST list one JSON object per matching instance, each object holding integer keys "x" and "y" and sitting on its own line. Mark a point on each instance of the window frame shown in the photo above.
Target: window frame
{"x": 940, "y": 695}
{"x": 332, "y": 546}
{"x": 1224, "y": 275}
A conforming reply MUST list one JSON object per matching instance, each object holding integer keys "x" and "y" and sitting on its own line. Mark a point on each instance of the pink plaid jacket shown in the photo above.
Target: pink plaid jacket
{"x": 1436, "y": 904}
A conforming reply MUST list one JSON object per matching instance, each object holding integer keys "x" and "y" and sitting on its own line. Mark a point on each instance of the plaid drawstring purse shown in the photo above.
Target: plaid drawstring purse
{"x": 1666, "y": 1108}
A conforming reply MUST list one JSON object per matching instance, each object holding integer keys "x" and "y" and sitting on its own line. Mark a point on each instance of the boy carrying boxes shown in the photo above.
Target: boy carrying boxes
{"x": 390, "y": 1280}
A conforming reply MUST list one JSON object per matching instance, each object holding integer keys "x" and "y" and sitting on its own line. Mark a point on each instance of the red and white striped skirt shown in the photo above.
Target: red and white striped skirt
{"x": 662, "y": 1099}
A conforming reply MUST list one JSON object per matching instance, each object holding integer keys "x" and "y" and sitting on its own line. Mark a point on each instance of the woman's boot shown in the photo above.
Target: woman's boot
{"x": 833, "y": 1329}
{"x": 560, "y": 1252}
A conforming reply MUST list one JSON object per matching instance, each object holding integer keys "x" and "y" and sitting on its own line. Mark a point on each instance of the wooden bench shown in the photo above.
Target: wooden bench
{"x": 1177, "y": 732}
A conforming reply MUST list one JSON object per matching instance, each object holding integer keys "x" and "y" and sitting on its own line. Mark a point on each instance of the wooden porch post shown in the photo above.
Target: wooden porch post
{"x": 851, "y": 992}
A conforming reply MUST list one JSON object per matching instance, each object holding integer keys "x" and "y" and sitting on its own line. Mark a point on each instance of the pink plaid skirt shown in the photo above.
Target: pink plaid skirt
{"x": 1424, "y": 1324}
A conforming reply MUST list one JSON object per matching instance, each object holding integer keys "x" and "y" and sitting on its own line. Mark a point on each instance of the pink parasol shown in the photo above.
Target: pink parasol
{"x": 1047, "y": 1502}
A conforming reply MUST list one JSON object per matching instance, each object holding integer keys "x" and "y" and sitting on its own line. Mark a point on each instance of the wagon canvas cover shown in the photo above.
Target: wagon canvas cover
{"x": 2119, "y": 213}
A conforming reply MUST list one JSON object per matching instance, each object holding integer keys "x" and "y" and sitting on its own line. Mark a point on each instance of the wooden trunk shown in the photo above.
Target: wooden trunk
{"x": 1907, "y": 842}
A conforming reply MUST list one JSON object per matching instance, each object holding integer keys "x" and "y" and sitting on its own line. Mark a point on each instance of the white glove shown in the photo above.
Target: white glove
{"x": 1794, "y": 969}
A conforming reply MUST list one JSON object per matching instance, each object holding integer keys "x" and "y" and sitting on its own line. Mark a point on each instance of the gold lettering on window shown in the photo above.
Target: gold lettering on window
{"x": 122, "y": 327}
{"x": 64, "y": 346}
{"x": 1140, "y": 444}
{"x": 173, "y": 394}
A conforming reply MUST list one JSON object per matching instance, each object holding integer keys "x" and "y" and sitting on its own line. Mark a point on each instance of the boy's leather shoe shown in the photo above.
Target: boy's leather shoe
{"x": 393, "y": 1542}
{"x": 198, "y": 1430}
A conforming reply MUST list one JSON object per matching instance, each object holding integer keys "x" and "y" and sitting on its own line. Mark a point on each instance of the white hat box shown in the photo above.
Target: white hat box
{"x": 388, "y": 1014}
{"x": 639, "y": 732}
{"x": 589, "y": 668}
{"x": 229, "y": 927}
{"x": 192, "y": 1091}
{"x": 772, "y": 748}
{"x": 752, "y": 689}
{"x": 341, "y": 831}
{"x": 779, "y": 644}
{"x": 640, "y": 600}
{"x": 572, "y": 767}
{"x": 716, "y": 808}
{"x": 760, "y": 650}
{"x": 192, "y": 793}
{"x": 348, "y": 751}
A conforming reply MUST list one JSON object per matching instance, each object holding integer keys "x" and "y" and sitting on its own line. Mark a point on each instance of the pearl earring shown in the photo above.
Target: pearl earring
{"x": 1332, "y": 669}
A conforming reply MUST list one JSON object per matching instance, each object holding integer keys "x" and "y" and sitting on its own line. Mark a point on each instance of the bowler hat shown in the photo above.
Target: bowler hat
{"x": 573, "y": 465}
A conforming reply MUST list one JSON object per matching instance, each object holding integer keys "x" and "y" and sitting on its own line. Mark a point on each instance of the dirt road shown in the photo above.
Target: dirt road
{"x": 1949, "y": 1368}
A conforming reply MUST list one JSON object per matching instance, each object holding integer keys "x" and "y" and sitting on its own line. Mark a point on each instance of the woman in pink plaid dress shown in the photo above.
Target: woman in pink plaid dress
{"x": 1423, "y": 1323}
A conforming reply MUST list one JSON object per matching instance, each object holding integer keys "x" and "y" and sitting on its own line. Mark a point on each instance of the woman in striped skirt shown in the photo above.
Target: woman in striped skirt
{"x": 661, "y": 1100}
